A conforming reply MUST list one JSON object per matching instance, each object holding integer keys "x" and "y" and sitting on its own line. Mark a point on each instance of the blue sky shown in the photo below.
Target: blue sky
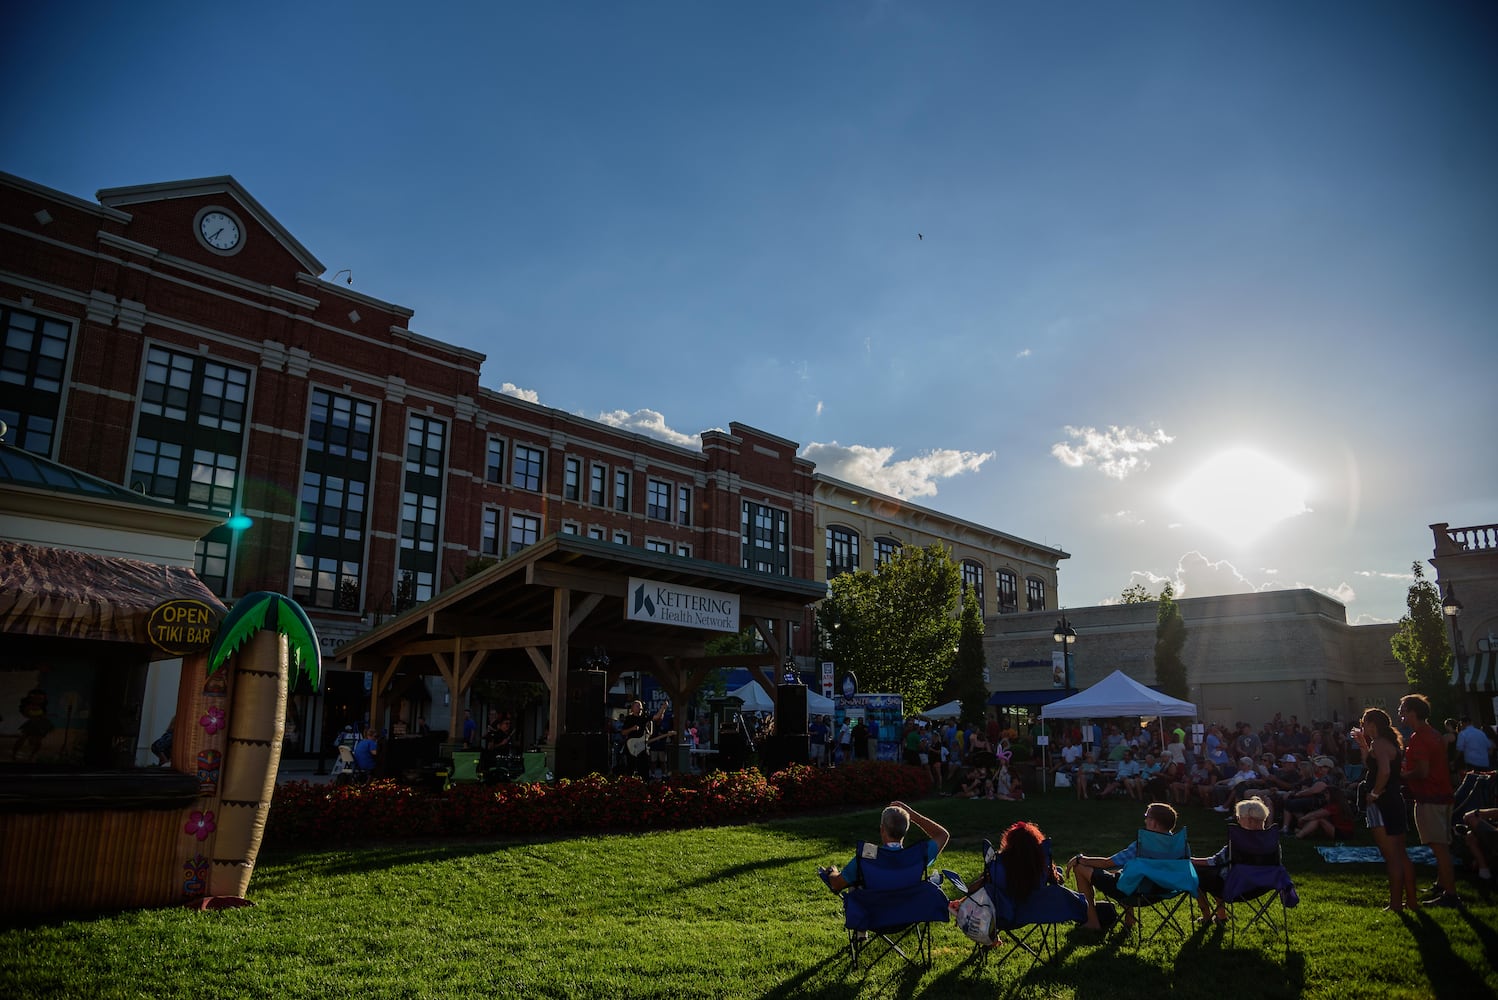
{"x": 1154, "y": 236}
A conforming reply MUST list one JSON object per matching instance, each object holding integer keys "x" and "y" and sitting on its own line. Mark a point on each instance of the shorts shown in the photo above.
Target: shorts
{"x": 1389, "y": 813}
{"x": 1434, "y": 822}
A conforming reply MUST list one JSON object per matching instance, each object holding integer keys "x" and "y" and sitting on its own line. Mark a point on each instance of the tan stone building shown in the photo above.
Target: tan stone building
{"x": 857, "y": 528}
{"x": 1248, "y": 656}
{"x": 1466, "y": 564}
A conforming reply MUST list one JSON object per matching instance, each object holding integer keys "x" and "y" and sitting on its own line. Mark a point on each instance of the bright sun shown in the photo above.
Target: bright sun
{"x": 1241, "y": 494}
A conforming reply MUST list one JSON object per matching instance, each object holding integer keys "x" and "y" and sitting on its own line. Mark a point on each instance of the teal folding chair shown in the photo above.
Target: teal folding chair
{"x": 1157, "y": 882}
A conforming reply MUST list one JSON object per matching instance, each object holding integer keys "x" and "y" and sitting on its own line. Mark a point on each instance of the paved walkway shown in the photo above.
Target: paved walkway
{"x": 304, "y": 770}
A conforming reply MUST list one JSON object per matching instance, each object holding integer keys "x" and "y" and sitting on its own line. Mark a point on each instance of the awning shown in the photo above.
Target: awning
{"x": 61, "y": 593}
{"x": 1482, "y": 671}
{"x": 1037, "y": 696}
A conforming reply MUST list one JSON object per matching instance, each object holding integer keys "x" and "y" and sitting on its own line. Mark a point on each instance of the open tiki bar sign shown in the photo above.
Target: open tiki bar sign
{"x": 181, "y": 626}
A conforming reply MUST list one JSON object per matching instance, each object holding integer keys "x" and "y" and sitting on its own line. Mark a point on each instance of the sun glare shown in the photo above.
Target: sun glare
{"x": 1241, "y": 494}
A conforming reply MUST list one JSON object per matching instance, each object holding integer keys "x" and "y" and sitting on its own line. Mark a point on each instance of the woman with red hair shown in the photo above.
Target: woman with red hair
{"x": 1026, "y": 866}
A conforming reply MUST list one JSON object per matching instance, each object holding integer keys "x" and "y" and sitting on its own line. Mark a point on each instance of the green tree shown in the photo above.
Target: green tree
{"x": 969, "y": 680}
{"x": 1136, "y": 593}
{"x": 896, "y": 629}
{"x": 1421, "y": 645}
{"x": 1170, "y": 640}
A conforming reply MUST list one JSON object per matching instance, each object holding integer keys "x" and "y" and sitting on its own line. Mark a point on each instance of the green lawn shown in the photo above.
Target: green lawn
{"x": 723, "y": 912}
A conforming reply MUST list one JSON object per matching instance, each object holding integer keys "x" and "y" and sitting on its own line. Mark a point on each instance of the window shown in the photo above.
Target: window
{"x": 189, "y": 435}
{"x": 884, "y": 550}
{"x": 494, "y": 461}
{"x": 421, "y": 505}
{"x": 684, "y": 505}
{"x": 331, "y": 513}
{"x": 621, "y": 538}
{"x": 658, "y": 500}
{"x": 598, "y": 477}
{"x": 572, "y": 479}
{"x": 764, "y": 538}
{"x": 571, "y": 528}
{"x": 1008, "y": 592}
{"x": 657, "y": 545}
{"x": 412, "y": 587}
{"x": 489, "y": 540}
{"x": 685, "y": 551}
{"x": 1035, "y": 593}
{"x": 32, "y": 363}
{"x": 525, "y": 529}
{"x": 972, "y": 579}
{"x": 596, "y": 531}
{"x": 526, "y": 470}
{"x": 842, "y": 551}
{"x": 621, "y": 489}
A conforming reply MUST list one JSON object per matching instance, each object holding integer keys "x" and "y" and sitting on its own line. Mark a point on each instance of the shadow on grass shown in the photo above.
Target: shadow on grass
{"x": 833, "y": 977}
{"x": 1450, "y": 976}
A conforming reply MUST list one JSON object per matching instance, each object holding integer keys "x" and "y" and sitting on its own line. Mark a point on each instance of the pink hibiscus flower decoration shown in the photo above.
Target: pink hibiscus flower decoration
{"x": 200, "y": 825}
{"x": 213, "y": 721}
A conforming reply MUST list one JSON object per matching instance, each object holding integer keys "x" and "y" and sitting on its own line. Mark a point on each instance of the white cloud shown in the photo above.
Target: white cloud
{"x": 1401, "y": 577}
{"x": 650, "y": 423}
{"x": 1117, "y": 452}
{"x": 1024, "y": 353}
{"x": 1366, "y": 619}
{"x": 820, "y": 405}
{"x": 1198, "y": 576}
{"x": 511, "y": 389}
{"x": 1127, "y": 517}
{"x": 907, "y": 478}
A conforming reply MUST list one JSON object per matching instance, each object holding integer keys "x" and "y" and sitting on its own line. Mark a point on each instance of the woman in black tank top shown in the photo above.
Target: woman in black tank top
{"x": 1384, "y": 809}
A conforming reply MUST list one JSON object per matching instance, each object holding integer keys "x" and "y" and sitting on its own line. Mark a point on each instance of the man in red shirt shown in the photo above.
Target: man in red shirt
{"x": 1428, "y": 780}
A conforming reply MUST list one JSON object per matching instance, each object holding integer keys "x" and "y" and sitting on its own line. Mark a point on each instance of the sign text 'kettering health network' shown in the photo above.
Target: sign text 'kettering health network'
{"x": 688, "y": 606}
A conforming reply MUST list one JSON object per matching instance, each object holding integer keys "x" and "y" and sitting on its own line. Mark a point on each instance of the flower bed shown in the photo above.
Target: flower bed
{"x": 303, "y": 813}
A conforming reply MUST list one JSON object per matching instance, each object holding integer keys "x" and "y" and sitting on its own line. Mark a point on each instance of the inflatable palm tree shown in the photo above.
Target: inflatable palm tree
{"x": 236, "y": 718}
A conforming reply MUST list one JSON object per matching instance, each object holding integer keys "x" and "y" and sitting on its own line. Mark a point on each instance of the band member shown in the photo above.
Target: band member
{"x": 639, "y": 727}
{"x": 499, "y": 737}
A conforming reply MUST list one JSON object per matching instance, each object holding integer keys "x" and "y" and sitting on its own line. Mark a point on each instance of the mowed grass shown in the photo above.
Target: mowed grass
{"x": 722, "y": 912}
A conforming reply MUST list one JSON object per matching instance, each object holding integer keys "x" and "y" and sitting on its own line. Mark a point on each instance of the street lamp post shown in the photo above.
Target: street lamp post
{"x": 1066, "y": 636}
{"x": 1452, "y": 609}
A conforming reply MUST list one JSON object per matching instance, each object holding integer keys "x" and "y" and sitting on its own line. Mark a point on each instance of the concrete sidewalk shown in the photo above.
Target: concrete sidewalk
{"x": 304, "y": 770}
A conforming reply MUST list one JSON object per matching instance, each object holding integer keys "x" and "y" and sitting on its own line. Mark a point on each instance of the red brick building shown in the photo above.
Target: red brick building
{"x": 177, "y": 339}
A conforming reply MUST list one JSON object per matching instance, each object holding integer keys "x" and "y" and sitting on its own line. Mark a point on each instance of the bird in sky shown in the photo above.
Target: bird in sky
{"x": 919, "y": 236}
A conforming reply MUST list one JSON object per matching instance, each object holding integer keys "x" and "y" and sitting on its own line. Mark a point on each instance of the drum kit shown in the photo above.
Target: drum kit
{"x": 498, "y": 767}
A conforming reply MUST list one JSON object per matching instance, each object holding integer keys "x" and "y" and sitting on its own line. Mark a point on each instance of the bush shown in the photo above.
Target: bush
{"x": 302, "y": 812}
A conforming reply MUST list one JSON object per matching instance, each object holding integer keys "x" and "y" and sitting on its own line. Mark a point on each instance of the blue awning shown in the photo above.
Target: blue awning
{"x": 1036, "y": 696}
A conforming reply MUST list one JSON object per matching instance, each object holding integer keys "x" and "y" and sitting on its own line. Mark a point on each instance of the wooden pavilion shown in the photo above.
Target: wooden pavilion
{"x": 541, "y": 612}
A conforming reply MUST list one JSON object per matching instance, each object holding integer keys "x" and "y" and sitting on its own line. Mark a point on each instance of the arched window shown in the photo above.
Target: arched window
{"x": 842, "y": 551}
{"x": 972, "y": 580}
{"x": 884, "y": 550}
{"x": 1035, "y": 593}
{"x": 1008, "y": 592}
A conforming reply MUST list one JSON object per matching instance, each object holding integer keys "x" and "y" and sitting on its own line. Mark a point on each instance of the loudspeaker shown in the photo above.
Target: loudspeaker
{"x": 790, "y": 710}
{"x": 733, "y": 751}
{"x": 780, "y": 750}
{"x": 586, "y": 692}
{"x": 582, "y": 754}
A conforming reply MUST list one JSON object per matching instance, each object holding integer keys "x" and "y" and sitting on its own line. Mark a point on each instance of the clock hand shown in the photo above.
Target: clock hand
{"x": 215, "y": 233}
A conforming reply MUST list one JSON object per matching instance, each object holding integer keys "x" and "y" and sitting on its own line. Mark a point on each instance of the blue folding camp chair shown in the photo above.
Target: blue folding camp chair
{"x": 1033, "y": 924}
{"x": 1257, "y": 880}
{"x": 892, "y": 905}
{"x": 1157, "y": 881}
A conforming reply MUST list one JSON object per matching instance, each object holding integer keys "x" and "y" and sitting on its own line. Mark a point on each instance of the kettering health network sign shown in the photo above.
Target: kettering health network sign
{"x": 688, "y": 606}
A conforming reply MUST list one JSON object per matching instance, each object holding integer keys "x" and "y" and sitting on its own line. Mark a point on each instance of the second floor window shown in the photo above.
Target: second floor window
{"x": 884, "y": 550}
{"x": 842, "y": 551}
{"x": 525, "y": 529}
{"x": 489, "y": 541}
{"x": 972, "y": 580}
{"x": 494, "y": 461}
{"x": 684, "y": 505}
{"x": 1008, "y": 592}
{"x": 1035, "y": 593}
{"x": 598, "y": 478}
{"x": 572, "y": 479}
{"x": 764, "y": 538}
{"x": 32, "y": 361}
{"x": 621, "y": 489}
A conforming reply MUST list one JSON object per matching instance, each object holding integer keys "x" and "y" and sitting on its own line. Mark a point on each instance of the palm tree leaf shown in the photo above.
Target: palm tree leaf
{"x": 293, "y": 623}
{"x": 245, "y": 618}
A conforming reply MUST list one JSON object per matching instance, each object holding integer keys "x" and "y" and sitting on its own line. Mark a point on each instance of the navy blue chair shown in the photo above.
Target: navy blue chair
{"x": 1258, "y": 881}
{"x": 892, "y": 905}
{"x": 1033, "y": 924}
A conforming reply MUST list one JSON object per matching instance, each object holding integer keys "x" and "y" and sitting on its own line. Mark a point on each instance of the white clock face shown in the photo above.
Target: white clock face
{"x": 219, "y": 231}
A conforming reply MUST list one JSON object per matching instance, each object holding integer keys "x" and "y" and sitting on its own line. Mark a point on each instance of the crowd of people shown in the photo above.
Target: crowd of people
{"x": 1310, "y": 782}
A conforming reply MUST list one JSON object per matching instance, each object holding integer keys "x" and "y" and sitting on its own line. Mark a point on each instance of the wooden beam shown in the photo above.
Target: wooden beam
{"x": 471, "y": 643}
{"x": 609, "y": 584}
{"x": 561, "y": 629}
{"x": 582, "y": 611}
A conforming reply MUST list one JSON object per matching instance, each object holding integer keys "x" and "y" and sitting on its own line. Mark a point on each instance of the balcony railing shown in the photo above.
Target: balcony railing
{"x": 1478, "y": 538}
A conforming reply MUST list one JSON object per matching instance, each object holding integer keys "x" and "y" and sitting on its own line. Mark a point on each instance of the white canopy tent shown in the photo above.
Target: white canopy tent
{"x": 950, "y": 710}
{"x": 756, "y": 700}
{"x": 1116, "y": 695}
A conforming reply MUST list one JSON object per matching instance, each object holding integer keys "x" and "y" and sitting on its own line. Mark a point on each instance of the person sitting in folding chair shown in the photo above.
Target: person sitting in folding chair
{"x": 1019, "y": 893}
{"x": 1101, "y": 873}
{"x": 1252, "y": 814}
{"x": 884, "y": 889}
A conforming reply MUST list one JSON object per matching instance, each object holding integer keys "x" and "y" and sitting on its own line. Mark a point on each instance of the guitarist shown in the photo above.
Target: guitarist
{"x": 638, "y": 725}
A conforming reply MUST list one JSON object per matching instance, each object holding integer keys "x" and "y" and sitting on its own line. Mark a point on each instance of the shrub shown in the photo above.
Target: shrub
{"x": 302, "y": 812}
